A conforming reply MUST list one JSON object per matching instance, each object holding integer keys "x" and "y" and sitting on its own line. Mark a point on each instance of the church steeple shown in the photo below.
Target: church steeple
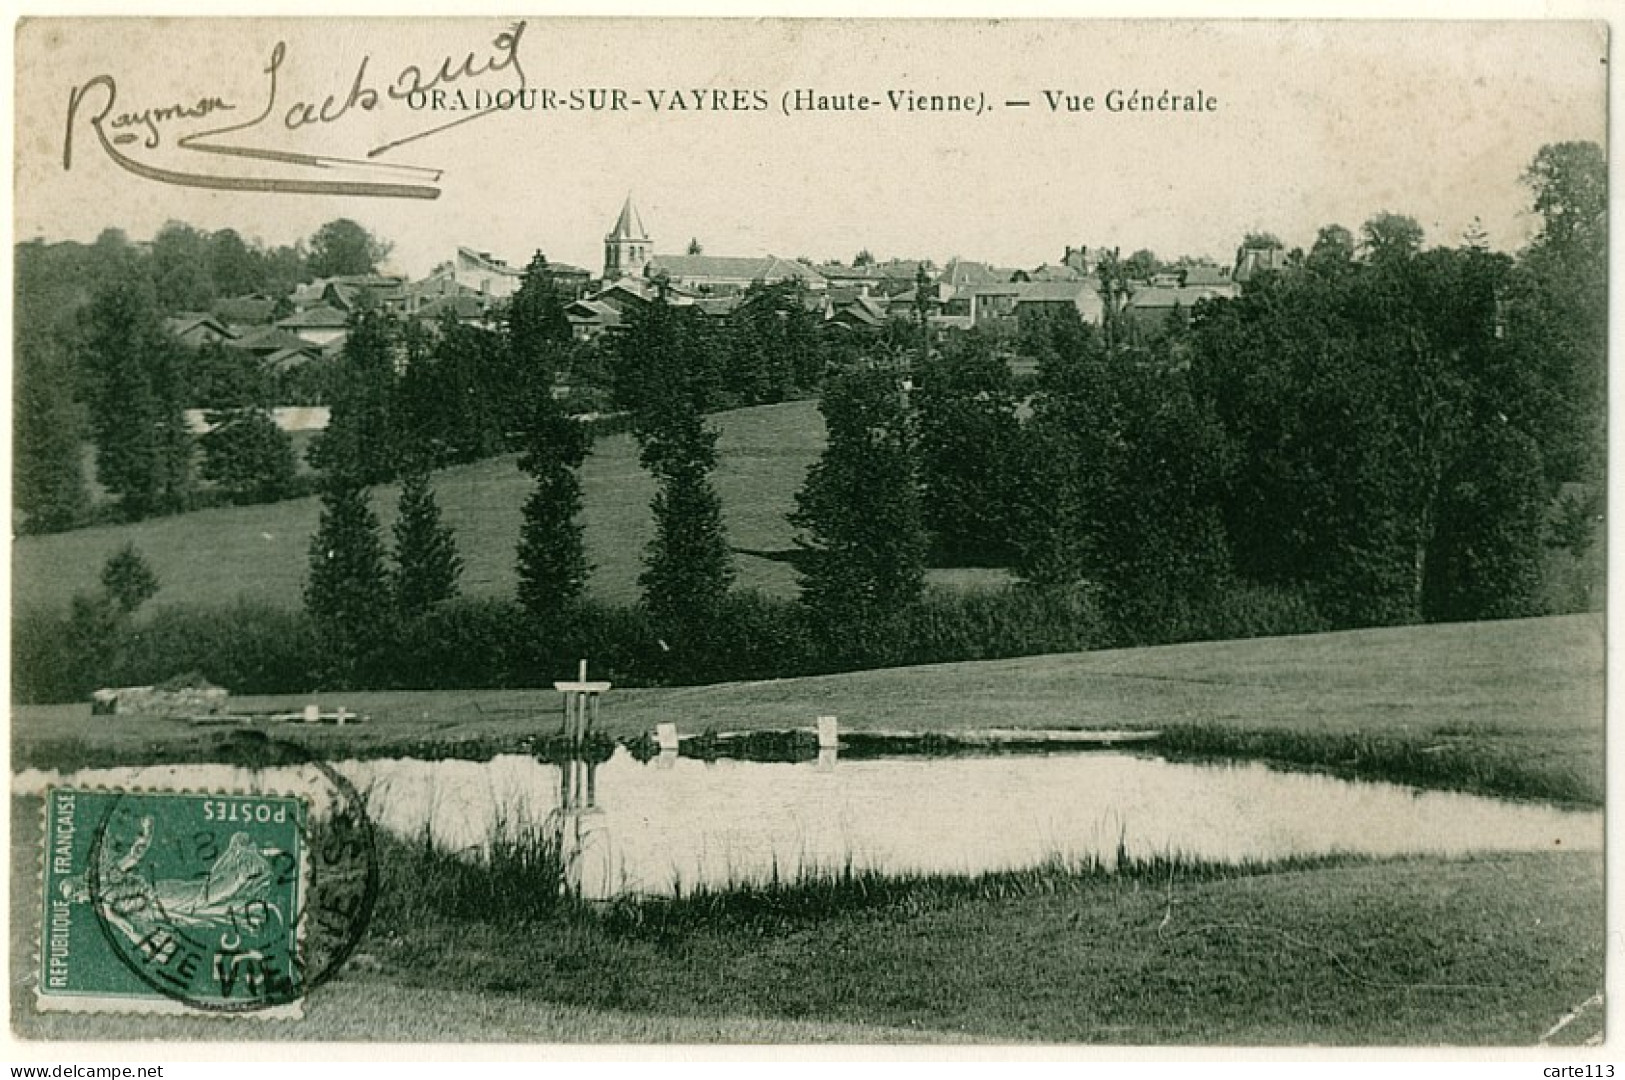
{"x": 627, "y": 247}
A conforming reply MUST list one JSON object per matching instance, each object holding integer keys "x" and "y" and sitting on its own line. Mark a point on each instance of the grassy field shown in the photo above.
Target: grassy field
{"x": 261, "y": 552}
{"x": 1524, "y": 695}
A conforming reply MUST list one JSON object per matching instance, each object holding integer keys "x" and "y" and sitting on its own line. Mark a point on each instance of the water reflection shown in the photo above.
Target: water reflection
{"x": 679, "y": 821}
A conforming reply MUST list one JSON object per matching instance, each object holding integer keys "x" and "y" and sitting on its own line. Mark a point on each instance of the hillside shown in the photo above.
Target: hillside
{"x": 260, "y": 552}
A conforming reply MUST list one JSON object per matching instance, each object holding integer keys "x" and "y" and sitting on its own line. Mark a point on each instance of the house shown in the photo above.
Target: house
{"x": 859, "y": 312}
{"x": 630, "y": 291}
{"x": 568, "y": 280}
{"x": 730, "y": 273}
{"x": 480, "y": 273}
{"x": 1048, "y": 272}
{"x": 838, "y": 274}
{"x": 900, "y": 275}
{"x": 985, "y": 303}
{"x": 1003, "y": 303}
{"x": 440, "y": 282}
{"x": 717, "y": 307}
{"x": 1252, "y": 261}
{"x": 307, "y": 294}
{"x": 608, "y": 308}
{"x": 195, "y": 331}
{"x": 1080, "y": 294}
{"x": 1204, "y": 275}
{"x": 1151, "y": 307}
{"x": 321, "y": 326}
{"x": 264, "y": 340}
{"x": 254, "y": 309}
{"x": 348, "y": 292}
{"x": 467, "y": 309}
{"x": 591, "y": 318}
{"x": 963, "y": 273}
{"x": 365, "y": 290}
{"x": 963, "y": 277}
{"x": 276, "y": 349}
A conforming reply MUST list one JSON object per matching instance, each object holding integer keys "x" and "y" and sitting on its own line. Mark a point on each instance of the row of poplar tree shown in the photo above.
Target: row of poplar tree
{"x": 406, "y": 399}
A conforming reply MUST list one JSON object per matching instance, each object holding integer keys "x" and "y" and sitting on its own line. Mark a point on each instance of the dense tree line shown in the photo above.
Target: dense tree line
{"x": 1382, "y": 429}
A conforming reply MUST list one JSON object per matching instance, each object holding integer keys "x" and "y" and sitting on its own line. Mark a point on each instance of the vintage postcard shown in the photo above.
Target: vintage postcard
{"x": 1041, "y": 532}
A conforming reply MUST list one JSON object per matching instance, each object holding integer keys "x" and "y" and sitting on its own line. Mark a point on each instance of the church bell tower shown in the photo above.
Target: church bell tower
{"x": 626, "y": 248}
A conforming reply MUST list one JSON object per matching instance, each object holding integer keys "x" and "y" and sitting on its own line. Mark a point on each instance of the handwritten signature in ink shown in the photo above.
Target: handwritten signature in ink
{"x": 115, "y": 128}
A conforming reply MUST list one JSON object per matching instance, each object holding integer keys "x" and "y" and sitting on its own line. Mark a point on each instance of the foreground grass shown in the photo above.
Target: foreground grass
{"x": 1510, "y": 707}
{"x": 1485, "y": 951}
{"x": 1413, "y": 952}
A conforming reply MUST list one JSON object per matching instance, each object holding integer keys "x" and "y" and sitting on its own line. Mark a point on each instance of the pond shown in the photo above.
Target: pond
{"x": 648, "y": 827}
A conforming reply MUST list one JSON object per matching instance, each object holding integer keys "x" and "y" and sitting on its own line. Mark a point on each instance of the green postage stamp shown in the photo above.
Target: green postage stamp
{"x": 172, "y": 902}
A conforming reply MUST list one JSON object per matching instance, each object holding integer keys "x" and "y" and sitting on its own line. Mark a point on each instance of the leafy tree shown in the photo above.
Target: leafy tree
{"x": 343, "y": 247}
{"x": 862, "y": 259}
{"x": 452, "y": 401}
{"x": 347, "y": 593}
{"x": 1569, "y": 182}
{"x": 248, "y": 456}
{"x": 143, "y": 450}
{"x": 1163, "y": 557}
{"x": 694, "y": 247}
{"x": 92, "y": 640}
{"x": 363, "y": 425}
{"x": 1555, "y": 315}
{"x": 552, "y": 560}
{"x": 1333, "y": 249}
{"x": 426, "y": 561}
{"x": 1067, "y": 453}
{"x": 535, "y": 314}
{"x": 1390, "y": 236}
{"x": 773, "y": 345}
{"x": 181, "y": 268}
{"x": 553, "y": 565}
{"x": 1486, "y": 559}
{"x": 861, "y": 531}
{"x": 967, "y": 443}
{"x": 281, "y": 268}
{"x": 1115, "y": 292}
{"x": 666, "y": 375}
{"x": 1262, "y": 241}
{"x": 665, "y": 366}
{"x": 234, "y": 267}
{"x": 688, "y": 568}
{"x": 217, "y": 377}
{"x": 128, "y": 580}
{"x": 49, "y": 475}
{"x": 1046, "y": 333}
{"x": 1142, "y": 265}
{"x": 538, "y": 337}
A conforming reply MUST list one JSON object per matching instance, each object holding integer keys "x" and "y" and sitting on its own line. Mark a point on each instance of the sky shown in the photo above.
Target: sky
{"x": 1312, "y": 123}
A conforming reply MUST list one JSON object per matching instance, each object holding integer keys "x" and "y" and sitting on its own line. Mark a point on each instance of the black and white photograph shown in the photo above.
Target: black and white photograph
{"x": 698, "y": 532}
